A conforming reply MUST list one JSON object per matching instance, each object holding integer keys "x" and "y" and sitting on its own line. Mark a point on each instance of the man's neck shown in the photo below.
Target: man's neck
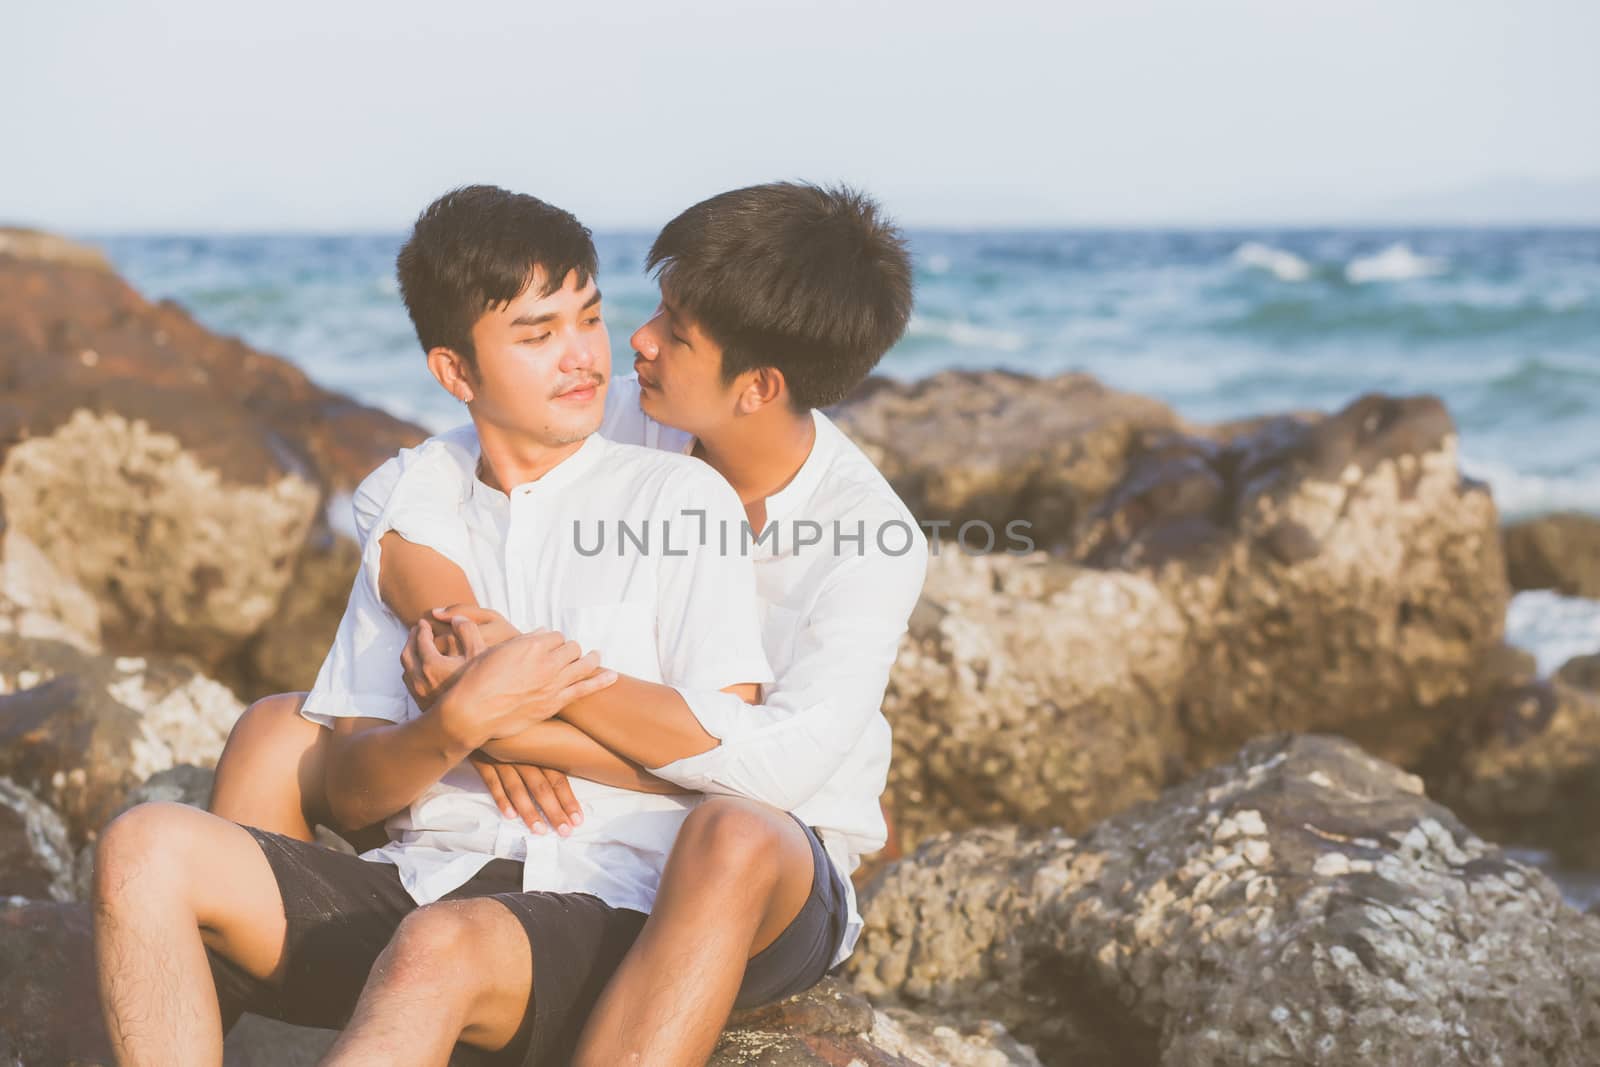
{"x": 509, "y": 460}
{"x": 758, "y": 457}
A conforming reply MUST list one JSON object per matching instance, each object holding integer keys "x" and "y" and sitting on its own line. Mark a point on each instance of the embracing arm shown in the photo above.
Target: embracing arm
{"x": 376, "y": 767}
{"x": 413, "y": 580}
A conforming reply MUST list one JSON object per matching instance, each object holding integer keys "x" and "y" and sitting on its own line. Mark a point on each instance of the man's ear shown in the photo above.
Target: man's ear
{"x": 452, "y": 371}
{"x": 763, "y": 386}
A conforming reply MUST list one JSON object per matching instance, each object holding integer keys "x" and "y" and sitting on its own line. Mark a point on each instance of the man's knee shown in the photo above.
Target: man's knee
{"x": 145, "y": 845}
{"x": 736, "y": 835}
{"x": 439, "y": 944}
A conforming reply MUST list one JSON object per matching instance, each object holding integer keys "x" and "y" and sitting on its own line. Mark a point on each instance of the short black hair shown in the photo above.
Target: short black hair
{"x": 479, "y": 247}
{"x": 812, "y": 281}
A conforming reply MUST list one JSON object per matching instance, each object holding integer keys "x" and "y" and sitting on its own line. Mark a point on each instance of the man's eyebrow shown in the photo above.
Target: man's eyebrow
{"x": 551, "y": 316}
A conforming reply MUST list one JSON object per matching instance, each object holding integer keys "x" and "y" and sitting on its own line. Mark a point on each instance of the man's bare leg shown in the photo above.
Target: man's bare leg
{"x": 760, "y": 869}
{"x": 454, "y": 971}
{"x": 171, "y": 880}
{"x": 270, "y": 774}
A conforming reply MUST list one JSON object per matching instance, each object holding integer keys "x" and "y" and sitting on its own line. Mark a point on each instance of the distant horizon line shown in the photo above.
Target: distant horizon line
{"x": 1043, "y": 226}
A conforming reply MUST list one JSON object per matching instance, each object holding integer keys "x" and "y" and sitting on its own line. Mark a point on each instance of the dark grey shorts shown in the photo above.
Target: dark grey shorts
{"x": 341, "y": 912}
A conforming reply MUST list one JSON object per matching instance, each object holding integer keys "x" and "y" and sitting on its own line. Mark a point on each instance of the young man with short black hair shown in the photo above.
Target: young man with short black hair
{"x": 761, "y": 288}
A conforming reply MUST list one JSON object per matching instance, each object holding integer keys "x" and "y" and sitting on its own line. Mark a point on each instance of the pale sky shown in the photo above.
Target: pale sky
{"x": 199, "y": 115}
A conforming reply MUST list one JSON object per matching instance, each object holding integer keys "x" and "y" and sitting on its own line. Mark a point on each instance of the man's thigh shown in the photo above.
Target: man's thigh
{"x": 211, "y": 865}
{"x": 337, "y": 914}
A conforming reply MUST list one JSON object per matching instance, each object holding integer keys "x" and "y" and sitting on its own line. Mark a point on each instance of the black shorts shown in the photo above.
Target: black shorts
{"x": 341, "y": 912}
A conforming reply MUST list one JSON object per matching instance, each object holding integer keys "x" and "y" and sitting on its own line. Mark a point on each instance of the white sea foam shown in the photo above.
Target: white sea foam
{"x": 1397, "y": 263}
{"x": 1285, "y": 266}
{"x": 1518, "y": 495}
{"x": 937, "y": 264}
{"x": 1553, "y": 627}
{"x": 966, "y": 333}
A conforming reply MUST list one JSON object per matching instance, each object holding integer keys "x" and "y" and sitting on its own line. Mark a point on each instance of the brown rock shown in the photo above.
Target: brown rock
{"x": 1334, "y": 575}
{"x": 286, "y": 655}
{"x": 1302, "y": 904}
{"x": 1001, "y": 447}
{"x": 171, "y": 474}
{"x": 1524, "y": 766}
{"x": 1581, "y": 672}
{"x": 1030, "y": 690}
{"x": 1560, "y": 552}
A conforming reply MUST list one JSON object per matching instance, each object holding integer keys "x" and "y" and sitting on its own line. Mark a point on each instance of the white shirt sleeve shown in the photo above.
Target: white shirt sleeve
{"x": 708, "y": 628}
{"x": 781, "y": 752}
{"x": 360, "y": 678}
{"x": 418, "y": 493}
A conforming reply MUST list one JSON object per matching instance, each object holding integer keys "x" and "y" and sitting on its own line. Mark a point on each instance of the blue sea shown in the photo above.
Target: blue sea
{"x": 1503, "y": 324}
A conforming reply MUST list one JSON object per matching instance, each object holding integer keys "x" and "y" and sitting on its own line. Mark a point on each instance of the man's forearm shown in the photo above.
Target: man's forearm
{"x": 643, "y": 721}
{"x": 563, "y": 747}
{"x": 377, "y": 768}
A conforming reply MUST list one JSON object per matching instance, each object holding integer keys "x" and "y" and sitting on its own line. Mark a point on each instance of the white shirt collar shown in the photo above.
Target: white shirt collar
{"x": 800, "y": 487}
{"x": 563, "y": 474}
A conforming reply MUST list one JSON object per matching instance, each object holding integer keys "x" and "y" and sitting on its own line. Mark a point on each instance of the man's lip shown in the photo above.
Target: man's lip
{"x": 643, "y": 379}
{"x": 583, "y": 392}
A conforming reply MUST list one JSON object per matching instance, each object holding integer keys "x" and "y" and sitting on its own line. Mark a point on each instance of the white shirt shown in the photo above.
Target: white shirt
{"x": 677, "y": 614}
{"x": 833, "y": 614}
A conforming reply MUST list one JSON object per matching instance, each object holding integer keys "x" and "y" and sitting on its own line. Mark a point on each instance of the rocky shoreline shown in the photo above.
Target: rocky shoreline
{"x": 1220, "y": 773}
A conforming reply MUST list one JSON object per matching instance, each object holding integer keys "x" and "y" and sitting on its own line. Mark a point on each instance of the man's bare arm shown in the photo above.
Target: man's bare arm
{"x": 563, "y": 747}
{"x": 414, "y": 580}
{"x": 646, "y": 722}
{"x": 376, "y": 768}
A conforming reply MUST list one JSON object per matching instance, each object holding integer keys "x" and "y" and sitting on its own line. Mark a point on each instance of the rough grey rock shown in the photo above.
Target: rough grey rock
{"x": 1560, "y": 552}
{"x": 81, "y": 729}
{"x": 35, "y": 857}
{"x": 183, "y": 784}
{"x": 1304, "y": 903}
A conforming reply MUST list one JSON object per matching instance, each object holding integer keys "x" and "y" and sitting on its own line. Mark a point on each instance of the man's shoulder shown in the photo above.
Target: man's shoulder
{"x": 853, "y": 488}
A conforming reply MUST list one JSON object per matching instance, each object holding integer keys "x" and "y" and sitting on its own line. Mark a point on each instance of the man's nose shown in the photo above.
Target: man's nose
{"x": 644, "y": 341}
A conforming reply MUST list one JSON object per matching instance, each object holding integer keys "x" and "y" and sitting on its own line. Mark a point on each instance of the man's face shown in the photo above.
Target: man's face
{"x": 680, "y": 372}
{"x": 543, "y": 363}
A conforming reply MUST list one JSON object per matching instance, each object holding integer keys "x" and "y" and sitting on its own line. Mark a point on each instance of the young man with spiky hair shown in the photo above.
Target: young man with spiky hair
{"x": 776, "y": 300}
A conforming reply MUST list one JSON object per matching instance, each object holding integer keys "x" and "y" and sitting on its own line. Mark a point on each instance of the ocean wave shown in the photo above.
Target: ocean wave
{"x": 1553, "y": 627}
{"x": 1285, "y": 266}
{"x": 1518, "y": 494}
{"x": 1397, "y": 263}
{"x": 967, "y": 334}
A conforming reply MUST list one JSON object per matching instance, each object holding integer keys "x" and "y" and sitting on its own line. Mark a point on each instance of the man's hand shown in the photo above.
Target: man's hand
{"x": 494, "y": 627}
{"x": 535, "y": 794}
{"x": 429, "y": 662}
{"x": 506, "y": 689}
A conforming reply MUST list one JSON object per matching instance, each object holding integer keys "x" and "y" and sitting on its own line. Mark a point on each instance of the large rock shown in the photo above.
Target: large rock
{"x": 1560, "y": 552}
{"x": 1303, "y": 904}
{"x": 172, "y": 475}
{"x": 82, "y": 730}
{"x": 998, "y": 447}
{"x": 1337, "y": 574}
{"x": 1310, "y": 574}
